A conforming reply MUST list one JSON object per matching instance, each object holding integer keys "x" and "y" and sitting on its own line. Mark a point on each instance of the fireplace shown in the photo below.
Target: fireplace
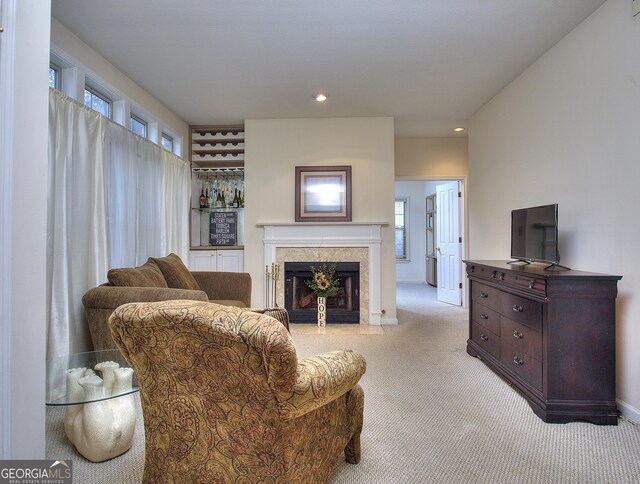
{"x": 300, "y": 301}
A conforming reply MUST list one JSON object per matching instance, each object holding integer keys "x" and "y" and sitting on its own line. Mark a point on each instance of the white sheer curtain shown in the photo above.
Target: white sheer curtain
{"x": 148, "y": 192}
{"x": 115, "y": 199}
{"x": 76, "y": 224}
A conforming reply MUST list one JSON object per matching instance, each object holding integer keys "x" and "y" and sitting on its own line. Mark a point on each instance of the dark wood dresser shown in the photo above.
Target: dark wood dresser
{"x": 550, "y": 333}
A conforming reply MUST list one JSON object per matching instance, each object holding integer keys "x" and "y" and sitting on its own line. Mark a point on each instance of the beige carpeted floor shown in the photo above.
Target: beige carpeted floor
{"x": 433, "y": 414}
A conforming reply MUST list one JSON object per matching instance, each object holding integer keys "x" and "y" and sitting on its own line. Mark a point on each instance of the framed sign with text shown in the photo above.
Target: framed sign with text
{"x": 223, "y": 228}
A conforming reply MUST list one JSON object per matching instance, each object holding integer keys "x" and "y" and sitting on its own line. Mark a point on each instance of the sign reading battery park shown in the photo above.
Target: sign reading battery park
{"x": 223, "y": 228}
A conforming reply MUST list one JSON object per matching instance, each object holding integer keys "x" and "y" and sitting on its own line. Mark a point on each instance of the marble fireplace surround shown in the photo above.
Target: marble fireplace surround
{"x": 330, "y": 242}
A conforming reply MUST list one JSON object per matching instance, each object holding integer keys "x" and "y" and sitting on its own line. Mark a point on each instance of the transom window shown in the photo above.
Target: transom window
{"x": 138, "y": 125}
{"x": 401, "y": 229}
{"x": 54, "y": 76}
{"x": 97, "y": 101}
{"x": 106, "y": 100}
{"x": 167, "y": 142}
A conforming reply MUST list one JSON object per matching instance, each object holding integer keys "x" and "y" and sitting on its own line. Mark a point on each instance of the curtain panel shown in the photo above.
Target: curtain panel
{"x": 115, "y": 199}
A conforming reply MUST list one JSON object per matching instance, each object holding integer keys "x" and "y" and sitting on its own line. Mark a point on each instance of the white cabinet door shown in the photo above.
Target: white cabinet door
{"x": 203, "y": 260}
{"x": 230, "y": 260}
{"x": 216, "y": 260}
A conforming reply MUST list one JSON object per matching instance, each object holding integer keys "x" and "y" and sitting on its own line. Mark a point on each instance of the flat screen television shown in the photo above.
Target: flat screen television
{"x": 534, "y": 234}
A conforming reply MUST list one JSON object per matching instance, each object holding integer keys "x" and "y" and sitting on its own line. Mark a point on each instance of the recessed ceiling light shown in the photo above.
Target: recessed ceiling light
{"x": 459, "y": 129}
{"x": 321, "y": 97}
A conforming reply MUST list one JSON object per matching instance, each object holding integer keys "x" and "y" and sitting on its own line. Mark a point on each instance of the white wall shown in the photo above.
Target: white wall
{"x": 568, "y": 131}
{"x": 24, "y": 91}
{"x": 274, "y": 147}
{"x": 421, "y": 158}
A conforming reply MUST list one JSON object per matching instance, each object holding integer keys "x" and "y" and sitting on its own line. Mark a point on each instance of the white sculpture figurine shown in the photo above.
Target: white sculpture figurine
{"x": 101, "y": 429}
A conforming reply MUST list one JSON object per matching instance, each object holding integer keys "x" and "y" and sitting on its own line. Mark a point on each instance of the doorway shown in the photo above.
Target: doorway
{"x": 435, "y": 239}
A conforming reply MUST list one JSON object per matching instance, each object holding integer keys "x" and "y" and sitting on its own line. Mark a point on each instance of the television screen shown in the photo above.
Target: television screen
{"x": 534, "y": 234}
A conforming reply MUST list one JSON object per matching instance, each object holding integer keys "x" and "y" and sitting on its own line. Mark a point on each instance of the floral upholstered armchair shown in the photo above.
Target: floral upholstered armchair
{"x": 225, "y": 398}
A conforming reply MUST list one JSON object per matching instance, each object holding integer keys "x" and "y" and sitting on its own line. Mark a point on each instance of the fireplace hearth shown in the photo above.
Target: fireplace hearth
{"x": 300, "y": 301}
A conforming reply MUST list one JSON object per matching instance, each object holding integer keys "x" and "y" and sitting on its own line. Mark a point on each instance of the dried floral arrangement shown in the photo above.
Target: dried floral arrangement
{"x": 323, "y": 283}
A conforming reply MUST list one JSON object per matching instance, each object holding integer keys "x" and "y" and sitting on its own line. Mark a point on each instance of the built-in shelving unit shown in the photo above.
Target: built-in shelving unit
{"x": 217, "y": 202}
{"x": 217, "y": 146}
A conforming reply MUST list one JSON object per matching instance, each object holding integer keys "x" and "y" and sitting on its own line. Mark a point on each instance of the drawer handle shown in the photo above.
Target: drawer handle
{"x": 484, "y": 316}
{"x": 531, "y": 284}
{"x": 502, "y": 276}
{"x": 484, "y": 295}
{"x": 518, "y": 335}
{"x": 517, "y": 309}
{"x": 494, "y": 274}
{"x": 484, "y": 337}
{"x": 518, "y": 361}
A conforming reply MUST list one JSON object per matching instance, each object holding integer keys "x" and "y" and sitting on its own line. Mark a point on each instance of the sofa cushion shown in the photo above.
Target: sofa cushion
{"x": 147, "y": 275}
{"x": 229, "y": 302}
{"x": 175, "y": 272}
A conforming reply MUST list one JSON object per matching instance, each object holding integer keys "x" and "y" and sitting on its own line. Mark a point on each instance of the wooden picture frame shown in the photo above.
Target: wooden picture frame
{"x": 323, "y": 193}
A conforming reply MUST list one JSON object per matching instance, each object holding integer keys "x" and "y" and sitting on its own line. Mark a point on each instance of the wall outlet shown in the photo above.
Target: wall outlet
{"x": 635, "y": 7}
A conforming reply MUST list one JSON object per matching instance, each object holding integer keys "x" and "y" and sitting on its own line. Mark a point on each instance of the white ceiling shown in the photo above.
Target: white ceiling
{"x": 429, "y": 63}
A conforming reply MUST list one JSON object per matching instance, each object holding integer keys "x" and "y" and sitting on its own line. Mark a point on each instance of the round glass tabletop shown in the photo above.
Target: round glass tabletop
{"x": 89, "y": 377}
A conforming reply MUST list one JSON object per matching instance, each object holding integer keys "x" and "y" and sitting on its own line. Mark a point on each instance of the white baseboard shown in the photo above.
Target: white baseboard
{"x": 629, "y": 411}
{"x": 389, "y": 321}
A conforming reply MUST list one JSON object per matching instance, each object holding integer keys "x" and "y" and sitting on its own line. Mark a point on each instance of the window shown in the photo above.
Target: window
{"x": 97, "y": 101}
{"x": 138, "y": 125}
{"x": 167, "y": 142}
{"x": 54, "y": 76}
{"x": 401, "y": 229}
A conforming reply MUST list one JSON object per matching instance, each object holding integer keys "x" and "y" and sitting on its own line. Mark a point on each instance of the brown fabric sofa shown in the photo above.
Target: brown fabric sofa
{"x": 159, "y": 279}
{"x": 225, "y": 398}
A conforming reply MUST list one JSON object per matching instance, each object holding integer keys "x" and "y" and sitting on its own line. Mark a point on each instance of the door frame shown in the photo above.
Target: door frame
{"x": 464, "y": 221}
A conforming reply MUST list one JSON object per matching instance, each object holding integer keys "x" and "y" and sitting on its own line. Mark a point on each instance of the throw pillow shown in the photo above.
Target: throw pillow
{"x": 147, "y": 275}
{"x": 175, "y": 272}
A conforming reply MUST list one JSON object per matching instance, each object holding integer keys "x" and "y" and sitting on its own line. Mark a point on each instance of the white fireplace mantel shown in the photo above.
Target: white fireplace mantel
{"x": 352, "y": 234}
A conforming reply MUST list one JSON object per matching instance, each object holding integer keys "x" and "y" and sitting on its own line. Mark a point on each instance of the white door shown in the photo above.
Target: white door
{"x": 448, "y": 243}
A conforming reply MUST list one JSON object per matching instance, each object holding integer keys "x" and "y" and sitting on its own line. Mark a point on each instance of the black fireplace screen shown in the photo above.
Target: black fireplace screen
{"x": 300, "y": 301}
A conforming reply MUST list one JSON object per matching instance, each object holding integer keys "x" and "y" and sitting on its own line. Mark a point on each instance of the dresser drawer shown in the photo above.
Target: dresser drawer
{"x": 523, "y": 339}
{"x": 485, "y": 295}
{"x": 521, "y": 310}
{"x": 529, "y": 283}
{"x": 524, "y": 365}
{"x": 485, "y": 339}
{"x": 486, "y": 317}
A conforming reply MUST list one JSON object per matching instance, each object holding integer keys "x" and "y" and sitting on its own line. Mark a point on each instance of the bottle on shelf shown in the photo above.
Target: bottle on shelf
{"x": 203, "y": 200}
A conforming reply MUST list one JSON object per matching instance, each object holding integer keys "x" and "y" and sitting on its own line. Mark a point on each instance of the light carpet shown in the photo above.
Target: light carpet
{"x": 433, "y": 414}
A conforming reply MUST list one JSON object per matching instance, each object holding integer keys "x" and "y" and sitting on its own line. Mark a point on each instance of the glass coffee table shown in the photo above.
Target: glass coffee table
{"x": 97, "y": 388}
